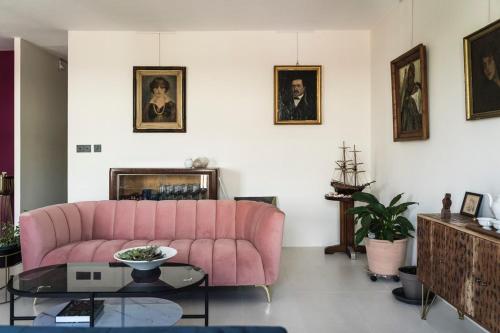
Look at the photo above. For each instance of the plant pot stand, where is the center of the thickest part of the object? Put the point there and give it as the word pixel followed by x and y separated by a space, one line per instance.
pixel 399 294
pixel 374 276
pixel 347 244
pixel 8 257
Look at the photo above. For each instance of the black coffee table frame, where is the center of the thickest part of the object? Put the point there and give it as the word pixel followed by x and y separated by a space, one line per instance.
pixel 93 295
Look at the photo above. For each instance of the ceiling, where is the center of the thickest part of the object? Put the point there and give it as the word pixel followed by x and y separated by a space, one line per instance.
pixel 46 22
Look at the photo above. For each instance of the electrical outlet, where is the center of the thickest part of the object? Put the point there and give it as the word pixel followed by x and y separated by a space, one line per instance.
pixel 97 148
pixel 83 148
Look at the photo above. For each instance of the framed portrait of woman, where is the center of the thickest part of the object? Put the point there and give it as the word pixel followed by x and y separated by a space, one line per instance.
pixel 159 99
pixel 482 72
pixel 410 111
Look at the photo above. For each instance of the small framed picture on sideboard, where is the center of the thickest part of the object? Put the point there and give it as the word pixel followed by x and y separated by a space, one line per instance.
pixel 471 204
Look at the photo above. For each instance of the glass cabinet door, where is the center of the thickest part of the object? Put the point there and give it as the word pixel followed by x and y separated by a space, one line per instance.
pixel 163 184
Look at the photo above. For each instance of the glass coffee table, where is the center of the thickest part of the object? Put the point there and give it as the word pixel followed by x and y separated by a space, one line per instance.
pixel 106 280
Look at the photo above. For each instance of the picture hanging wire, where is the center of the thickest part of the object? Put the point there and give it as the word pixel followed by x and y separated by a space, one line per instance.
pixel 297 44
pixel 411 24
pixel 159 48
pixel 489 11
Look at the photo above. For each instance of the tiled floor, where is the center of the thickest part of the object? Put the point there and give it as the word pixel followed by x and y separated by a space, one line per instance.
pixel 315 293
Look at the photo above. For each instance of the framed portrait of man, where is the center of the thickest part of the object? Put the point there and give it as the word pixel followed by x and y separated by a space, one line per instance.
pixel 159 99
pixel 297 95
pixel 410 111
pixel 482 72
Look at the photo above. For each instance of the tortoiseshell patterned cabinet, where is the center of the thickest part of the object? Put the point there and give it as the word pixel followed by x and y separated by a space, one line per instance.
pixel 462 266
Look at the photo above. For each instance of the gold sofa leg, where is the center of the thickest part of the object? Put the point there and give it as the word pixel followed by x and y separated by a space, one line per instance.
pixel 267 289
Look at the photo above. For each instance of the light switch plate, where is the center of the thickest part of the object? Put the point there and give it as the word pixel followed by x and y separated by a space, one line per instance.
pixel 83 148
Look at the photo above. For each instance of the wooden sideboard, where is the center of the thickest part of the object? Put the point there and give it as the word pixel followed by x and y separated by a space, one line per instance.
pixel 461 266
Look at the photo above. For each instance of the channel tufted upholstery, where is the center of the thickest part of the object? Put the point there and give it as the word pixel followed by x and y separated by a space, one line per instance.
pixel 235 242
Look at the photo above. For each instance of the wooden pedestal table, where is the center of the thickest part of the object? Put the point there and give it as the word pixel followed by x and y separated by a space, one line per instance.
pixel 347 244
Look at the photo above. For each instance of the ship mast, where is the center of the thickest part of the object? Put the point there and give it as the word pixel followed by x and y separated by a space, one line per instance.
pixel 343 163
pixel 354 167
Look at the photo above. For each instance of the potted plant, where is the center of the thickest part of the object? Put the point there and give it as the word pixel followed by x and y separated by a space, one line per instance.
pixel 384 230
pixel 9 244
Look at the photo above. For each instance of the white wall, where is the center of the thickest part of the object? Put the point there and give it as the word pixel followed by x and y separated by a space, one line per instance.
pixel 40 129
pixel 460 155
pixel 229 115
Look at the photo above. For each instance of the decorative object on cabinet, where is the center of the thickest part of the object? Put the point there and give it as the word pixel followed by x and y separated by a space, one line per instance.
pixel 269 200
pixel 188 163
pixel 410 112
pixel 162 184
pixel 445 211
pixel 485 222
pixel 461 266
pixel 6 198
pixel 346 180
pixel 200 163
pixel 385 232
pixel 159 99
pixel 471 204
pixel 297 95
pixel 6 184
pixel 482 72
pixel 494 204
pixel 487 231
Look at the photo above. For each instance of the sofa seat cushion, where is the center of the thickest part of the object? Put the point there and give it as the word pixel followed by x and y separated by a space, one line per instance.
pixel 227 261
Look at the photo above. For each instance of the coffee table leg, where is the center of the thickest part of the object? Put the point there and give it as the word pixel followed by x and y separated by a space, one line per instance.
pixel 92 311
pixel 206 299
pixel 11 315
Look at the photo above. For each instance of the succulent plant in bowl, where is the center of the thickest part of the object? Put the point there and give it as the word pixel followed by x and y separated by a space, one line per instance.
pixel 145 258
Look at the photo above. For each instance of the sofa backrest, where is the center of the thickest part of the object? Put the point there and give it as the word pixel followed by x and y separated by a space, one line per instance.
pixel 169 219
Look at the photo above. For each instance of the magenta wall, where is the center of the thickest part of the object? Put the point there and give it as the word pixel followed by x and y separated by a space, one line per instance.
pixel 7 111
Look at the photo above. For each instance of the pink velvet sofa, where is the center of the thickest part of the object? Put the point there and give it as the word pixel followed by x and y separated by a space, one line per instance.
pixel 236 242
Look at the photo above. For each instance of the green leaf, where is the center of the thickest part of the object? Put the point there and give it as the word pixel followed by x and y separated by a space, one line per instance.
pixel 396 199
pixel 360 235
pixel 365 197
pixel 358 210
pixel 388 235
pixel 380 210
pixel 399 209
pixel 366 221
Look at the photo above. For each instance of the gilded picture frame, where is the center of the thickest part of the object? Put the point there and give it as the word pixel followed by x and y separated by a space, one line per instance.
pixel 410 110
pixel 482 72
pixel 159 95
pixel 297 95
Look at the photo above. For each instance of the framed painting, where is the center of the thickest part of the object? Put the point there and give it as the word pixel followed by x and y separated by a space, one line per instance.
pixel 159 99
pixel 471 204
pixel 482 72
pixel 410 112
pixel 297 95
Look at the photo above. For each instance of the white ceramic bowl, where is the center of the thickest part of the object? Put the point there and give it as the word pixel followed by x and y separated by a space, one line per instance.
pixel 167 252
pixel 485 222
pixel 496 224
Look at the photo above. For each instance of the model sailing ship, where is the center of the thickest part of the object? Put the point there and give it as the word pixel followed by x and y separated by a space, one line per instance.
pixel 346 179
